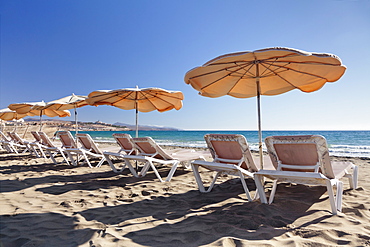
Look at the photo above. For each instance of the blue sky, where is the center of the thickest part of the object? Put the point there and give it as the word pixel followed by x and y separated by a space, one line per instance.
pixel 50 49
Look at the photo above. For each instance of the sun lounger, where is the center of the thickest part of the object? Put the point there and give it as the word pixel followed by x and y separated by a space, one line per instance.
pixel 88 149
pixel 231 156
pixel 150 154
pixel 7 143
pixel 127 147
pixel 51 149
pixel 66 139
pixel 37 145
pixel 20 143
pixel 305 160
pixel 125 142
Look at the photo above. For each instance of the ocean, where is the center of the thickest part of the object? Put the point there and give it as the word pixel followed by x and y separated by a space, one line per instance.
pixel 341 143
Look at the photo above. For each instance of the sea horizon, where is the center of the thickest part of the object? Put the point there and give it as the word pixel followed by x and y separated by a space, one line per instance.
pixel 342 143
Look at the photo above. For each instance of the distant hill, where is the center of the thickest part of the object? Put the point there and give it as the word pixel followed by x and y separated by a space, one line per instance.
pixel 147 127
pixel 96 124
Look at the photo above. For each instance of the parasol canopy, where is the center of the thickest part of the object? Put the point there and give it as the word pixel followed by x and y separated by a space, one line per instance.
pixel 7 115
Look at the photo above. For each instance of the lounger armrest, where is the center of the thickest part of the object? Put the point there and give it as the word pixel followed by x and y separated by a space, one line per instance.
pixel 222 167
pixel 313 178
pixel 118 154
pixel 72 149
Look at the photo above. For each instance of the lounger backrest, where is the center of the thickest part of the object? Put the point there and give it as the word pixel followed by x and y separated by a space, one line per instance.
pixel 232 149
pixel 303 152
pixel 45 139
pixel 148 147
pixel 88 143
pixel 16 138
pixel 4 137
pixel 36 136
pixel 125 142
pixel 67 140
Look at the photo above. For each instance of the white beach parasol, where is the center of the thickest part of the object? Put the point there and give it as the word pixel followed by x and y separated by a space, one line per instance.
pixel 143 100
pixel 36 109
pixel 270 71
pixel 69 102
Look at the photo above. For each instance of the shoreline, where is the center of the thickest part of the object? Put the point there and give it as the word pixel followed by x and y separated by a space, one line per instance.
pixel 335 149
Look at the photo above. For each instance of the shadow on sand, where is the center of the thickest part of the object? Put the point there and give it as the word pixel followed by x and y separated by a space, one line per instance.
pixel 194 218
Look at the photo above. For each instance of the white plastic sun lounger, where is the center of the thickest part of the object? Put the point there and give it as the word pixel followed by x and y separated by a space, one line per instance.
pixel 37 145
pixel 127 147
pixel 150 154
pixel 7 143
pixel 51 148
pixel 88 149
pixel 231 156
pixel 20 143
pixel 305 160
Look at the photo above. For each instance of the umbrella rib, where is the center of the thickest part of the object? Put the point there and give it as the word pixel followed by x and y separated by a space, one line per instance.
pixel 301 72
pixel 108 95
pixel 138 96
pixel 241 77
pixel 216 71
pixel 154 95
pixel 231 72
pixel 277 74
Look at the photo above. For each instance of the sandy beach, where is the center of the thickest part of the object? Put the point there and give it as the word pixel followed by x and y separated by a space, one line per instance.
pixel 44 204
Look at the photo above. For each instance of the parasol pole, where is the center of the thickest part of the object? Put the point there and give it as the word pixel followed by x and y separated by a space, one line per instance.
pixel 15 126
pixel 24 134
pixel 56 132
pixel 40 120
pixel 137 112
pixel 76 119
pixel 137 126
pixel 259 116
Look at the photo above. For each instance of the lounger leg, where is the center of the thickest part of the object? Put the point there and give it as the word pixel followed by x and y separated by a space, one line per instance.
pixel 51 156
pixel 33 150
pixel 333 202
pixel 30 149
pixel 101 161
pixel 42 153
pixel 172 171
pixel 260 188
pixel 242 179
pixel 131 168
pixel 145 169
pixel 155 171
pixel 273 191
pixel 353 178
pixel 87 160
pixel 339 196
pixel 110 163
pixel 64 157
pixel 71 158
pixel 15 150
pixel 8 148
pixel 198 179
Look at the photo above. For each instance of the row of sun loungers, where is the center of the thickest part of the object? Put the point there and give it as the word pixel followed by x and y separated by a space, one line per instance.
pixel 293 159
